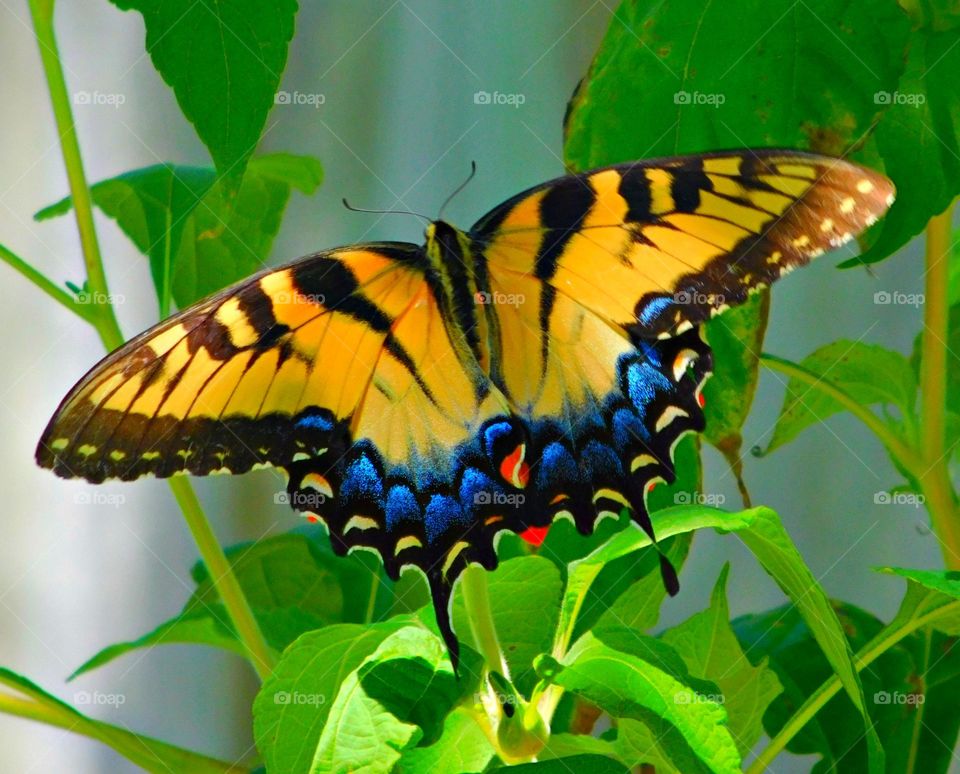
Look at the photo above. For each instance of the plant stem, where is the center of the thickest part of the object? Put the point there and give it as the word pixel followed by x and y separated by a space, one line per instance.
pixel 477 600
pixel 885 639
pixel 45 284
pixel 147 753
pixel 906 456
pixel 42 13
pixel 225 581
pixel 934 477
pixel 105 320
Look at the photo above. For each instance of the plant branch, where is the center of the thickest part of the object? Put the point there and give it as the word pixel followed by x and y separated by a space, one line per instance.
pixel 105 321
pixel 224 579
pixel 934 478
pixel 473 586
pixel 885 639
pixel 46 284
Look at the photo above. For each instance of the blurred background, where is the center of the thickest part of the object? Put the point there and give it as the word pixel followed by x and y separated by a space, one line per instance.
pixel 398 126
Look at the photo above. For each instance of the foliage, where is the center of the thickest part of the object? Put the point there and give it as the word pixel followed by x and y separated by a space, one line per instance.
pixel 361 679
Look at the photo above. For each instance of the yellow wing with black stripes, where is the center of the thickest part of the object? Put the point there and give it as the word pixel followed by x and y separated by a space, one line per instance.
pixel 424 398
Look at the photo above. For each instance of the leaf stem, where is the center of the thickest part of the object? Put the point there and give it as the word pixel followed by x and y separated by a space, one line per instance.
pixel 104 319
pixel 934 478
pixel 473 586
pixel 46 284
pixel 885 639
pixel 906 456
pixel 223 577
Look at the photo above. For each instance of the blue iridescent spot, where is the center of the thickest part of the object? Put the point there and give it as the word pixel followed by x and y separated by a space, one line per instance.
pixel 315 421
pixel 627 428
pixel 401 506
pixel 443 512
pixel 477 488
pixel 654 309
pixel 643 384
pixel 601 461
pixel 558 469
pixel 494 432
pixel 362 480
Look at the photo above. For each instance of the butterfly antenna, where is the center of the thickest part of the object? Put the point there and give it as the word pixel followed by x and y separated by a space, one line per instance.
pixel 385 212
pixel 451 197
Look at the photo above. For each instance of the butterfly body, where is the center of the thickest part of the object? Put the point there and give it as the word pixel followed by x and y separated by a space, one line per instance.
pixel 424 398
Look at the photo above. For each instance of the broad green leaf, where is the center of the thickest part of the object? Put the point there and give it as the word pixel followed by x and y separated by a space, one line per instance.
pixel 771 545
pixel 398 696
pixel 223 61
pixel 198 235
pixel 871 375
pixel 654 742
pixel 292 585
pixel 918 137
pixel 711 651
pixel 152 207
pixel 714 75
pixel 525 603
pixel 932 595
pixel 736 338
pixel 463 747
pixel 230 236
pixel 292 707
pixel 627 686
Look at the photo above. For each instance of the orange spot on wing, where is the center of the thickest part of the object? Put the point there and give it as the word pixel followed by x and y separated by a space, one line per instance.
pixel 514 469
pixel 535 535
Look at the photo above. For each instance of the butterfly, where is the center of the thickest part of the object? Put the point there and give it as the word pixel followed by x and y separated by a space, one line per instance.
pixel 425 398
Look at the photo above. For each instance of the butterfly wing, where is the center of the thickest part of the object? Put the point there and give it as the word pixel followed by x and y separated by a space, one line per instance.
pixel 598 283
pixel 657 246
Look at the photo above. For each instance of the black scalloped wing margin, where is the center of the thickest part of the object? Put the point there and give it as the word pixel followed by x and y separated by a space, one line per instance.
pixel 513 475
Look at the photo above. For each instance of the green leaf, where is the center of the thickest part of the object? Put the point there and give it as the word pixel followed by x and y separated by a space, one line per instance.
pixel 869 374
pixel 525 604
pixel 627 686
pixel 463 747
pixel 711 651
pixel 932 595
pixel 292 585
pixel 736 338
pixel 683 66
pixel 652 742
pixel 199 235
pixel 292 707
pixel 398 696
pixel 223 61
pixel 230 236
pixel 581 764
pixel 771 545
pixel 917 138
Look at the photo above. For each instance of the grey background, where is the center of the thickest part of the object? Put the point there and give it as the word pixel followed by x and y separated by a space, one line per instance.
pixel 398 127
